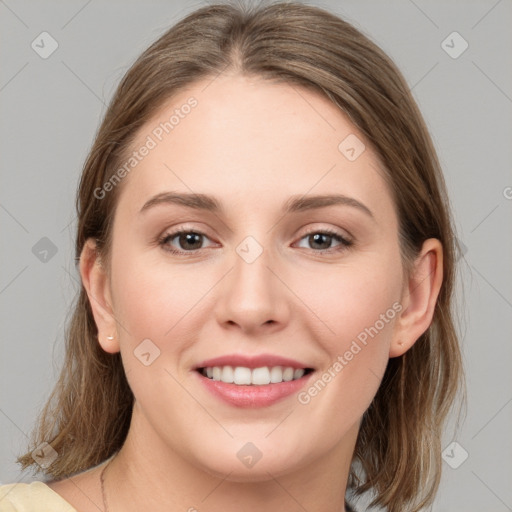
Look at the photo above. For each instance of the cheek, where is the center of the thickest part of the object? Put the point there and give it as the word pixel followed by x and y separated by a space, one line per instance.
pixel 357 307
pixel 150 299
pixel 354 302
pixel 357 356
pixel 151 305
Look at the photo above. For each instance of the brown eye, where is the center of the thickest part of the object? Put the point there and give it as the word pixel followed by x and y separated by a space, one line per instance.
pixel 187 241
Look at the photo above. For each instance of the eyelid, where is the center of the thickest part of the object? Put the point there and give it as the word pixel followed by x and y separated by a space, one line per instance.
pixel 343 233
pixel 174 232
pixel 336 233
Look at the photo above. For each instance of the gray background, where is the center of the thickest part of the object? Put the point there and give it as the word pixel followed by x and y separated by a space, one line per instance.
pixel 51 108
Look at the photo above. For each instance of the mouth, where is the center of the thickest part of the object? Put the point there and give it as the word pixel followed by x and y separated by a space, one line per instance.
pixel 257 381
pixel 245 376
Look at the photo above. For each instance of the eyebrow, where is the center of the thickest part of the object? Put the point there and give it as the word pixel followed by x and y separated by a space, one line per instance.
pixel 292 205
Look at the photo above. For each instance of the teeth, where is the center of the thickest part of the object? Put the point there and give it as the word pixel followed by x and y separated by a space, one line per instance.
pixel 297 374
pixel 288 374
pixel 242 375
pixel 227 374
pixel 261 376
pixel 257 376
pixel 276 374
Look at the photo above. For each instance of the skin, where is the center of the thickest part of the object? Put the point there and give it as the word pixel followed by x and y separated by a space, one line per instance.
pixel 252 144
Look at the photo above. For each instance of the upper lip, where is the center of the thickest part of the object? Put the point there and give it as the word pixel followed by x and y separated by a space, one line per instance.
pixel 256 361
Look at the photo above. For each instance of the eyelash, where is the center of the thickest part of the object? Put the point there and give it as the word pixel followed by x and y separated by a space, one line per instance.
pixel 345 244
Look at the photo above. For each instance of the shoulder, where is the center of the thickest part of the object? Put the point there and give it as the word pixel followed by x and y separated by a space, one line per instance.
pixel 23 497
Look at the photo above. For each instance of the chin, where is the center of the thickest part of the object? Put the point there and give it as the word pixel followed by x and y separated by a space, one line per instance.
pixel 247 461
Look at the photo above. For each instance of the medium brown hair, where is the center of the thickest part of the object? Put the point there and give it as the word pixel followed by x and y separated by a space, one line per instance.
pixel 398 450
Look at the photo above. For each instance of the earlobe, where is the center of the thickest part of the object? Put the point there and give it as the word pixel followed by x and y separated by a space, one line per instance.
pixel 96 283
pixel 419 297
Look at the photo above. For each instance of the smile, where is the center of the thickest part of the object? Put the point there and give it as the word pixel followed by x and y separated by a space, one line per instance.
pixel 256 380
pixel 243 376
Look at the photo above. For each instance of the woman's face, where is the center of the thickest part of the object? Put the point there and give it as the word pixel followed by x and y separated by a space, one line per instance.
pixel 268 274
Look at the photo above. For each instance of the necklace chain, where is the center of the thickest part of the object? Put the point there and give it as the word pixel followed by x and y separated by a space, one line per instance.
pixel 102 480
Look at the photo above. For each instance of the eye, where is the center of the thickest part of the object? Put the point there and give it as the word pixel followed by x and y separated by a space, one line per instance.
pixel 190 241
pixel 320 240
pixel 187 239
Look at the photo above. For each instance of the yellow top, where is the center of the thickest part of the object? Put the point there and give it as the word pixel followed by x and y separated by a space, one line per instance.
pixel 33 497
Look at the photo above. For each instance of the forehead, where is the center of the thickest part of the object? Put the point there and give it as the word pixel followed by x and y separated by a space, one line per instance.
pixel 254 143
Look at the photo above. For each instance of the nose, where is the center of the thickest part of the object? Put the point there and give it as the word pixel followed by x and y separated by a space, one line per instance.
pixel 253 297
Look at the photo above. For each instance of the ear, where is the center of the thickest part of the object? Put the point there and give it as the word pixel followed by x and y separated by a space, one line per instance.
pixel 419 297
pixel 97 285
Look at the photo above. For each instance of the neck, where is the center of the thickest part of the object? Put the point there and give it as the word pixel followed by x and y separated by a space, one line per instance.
pixel 147 475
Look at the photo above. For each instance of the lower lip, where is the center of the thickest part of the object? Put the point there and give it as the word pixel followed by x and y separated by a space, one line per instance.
pixel 253 396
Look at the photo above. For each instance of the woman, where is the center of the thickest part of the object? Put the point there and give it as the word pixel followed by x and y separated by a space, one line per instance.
pixel 267 259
